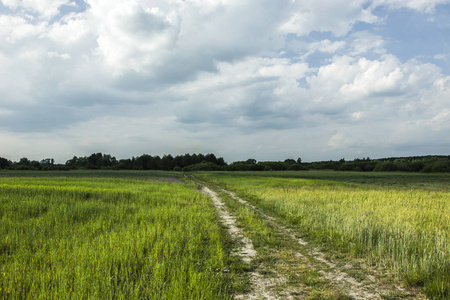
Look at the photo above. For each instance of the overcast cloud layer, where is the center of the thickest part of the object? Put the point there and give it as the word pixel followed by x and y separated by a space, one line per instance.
pixel 316 79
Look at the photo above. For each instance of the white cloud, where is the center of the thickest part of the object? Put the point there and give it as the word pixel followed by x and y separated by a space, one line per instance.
pixel 325 15
pixel 375 78
pixel 427 6
pixel 4 112
pixel 252 93
pixel 135 37
pixel 63 56
pixel 364 42
pixel 324 46
pixel 45 8
pixel 327 46
pixel 441 56
pixel 175 40
pixel 442 117
pixel 240 77
pixel 14 29
pixel 71 30
pixel 342 141
pixel 359 78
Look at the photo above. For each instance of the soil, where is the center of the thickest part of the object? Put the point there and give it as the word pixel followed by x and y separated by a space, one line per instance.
pixel 277 286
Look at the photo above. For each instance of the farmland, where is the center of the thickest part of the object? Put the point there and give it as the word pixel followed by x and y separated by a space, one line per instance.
pixel 108 238
pixel 400 224
pixel 155 235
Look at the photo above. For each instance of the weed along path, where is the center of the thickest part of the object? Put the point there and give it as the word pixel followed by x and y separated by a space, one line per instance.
pixel 244 248
pixel 246 251
pixel 284 266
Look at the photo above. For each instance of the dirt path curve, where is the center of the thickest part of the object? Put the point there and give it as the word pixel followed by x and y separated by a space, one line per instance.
pixel 246 252
pixel 340 279
pixel 264 287
pixel 351 286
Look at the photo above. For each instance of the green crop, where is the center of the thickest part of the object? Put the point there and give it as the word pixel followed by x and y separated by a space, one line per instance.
pixel 98 238
pixel 405 230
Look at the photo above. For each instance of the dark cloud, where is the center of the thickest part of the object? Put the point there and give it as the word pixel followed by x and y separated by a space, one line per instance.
pixel 236 78
pixel 41 118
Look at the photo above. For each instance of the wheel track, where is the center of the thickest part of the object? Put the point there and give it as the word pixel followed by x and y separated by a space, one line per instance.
pixel 342 280
pixel 261 284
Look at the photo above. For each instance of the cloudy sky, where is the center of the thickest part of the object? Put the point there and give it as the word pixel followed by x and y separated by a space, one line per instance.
pixel 266 79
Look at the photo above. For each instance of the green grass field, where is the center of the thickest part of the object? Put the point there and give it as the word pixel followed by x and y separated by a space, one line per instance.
pixel 401 221
pixel 108 238
pixel 133 235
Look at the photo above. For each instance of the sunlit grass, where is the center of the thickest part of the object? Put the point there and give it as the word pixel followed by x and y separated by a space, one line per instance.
pixel 73 238
pixel 406 230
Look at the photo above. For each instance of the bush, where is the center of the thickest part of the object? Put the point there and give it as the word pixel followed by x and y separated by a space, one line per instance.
pixel 441 166
pixel 350 166
pixel 295 167
pixel 385 167
pixel 204 166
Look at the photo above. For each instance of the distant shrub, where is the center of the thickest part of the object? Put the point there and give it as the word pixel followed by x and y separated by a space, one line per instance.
pixel 349 166
pixel 416 166
pixel 295 167
pixel 204 166
pixel 441 166
pixel 385 167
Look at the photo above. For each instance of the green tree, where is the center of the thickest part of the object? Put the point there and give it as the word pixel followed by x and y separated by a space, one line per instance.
pixel 4 163
pixel 48 162
pixel 24 162
pixel 211 158
pixel 385 167
pixel 289 161
pixel 166 162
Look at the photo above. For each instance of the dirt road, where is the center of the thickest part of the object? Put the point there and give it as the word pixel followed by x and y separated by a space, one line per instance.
pixel 288 267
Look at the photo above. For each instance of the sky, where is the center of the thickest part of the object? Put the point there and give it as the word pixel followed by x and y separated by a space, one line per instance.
pixel 262 79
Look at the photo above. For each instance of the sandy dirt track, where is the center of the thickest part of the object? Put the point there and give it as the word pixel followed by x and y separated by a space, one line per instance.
pixel 265 287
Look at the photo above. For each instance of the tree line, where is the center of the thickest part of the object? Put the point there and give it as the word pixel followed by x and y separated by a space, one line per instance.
pixel 100 161
pixel 209 162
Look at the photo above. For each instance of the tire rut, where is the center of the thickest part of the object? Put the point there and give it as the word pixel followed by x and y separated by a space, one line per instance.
pixel 246 251
pixel 263 286
pixel 260 284
pixel 348 284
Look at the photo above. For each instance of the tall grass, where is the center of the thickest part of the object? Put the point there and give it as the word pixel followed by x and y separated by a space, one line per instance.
pixel 406 230
pixel 63 238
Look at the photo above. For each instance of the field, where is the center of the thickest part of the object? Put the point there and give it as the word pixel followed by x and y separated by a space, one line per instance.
pixel 398 221
pixel 108 238
pixel 155 235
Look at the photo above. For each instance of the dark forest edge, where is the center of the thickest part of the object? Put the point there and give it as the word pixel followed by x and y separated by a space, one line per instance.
pixel 209 162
